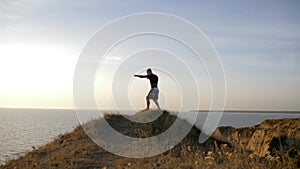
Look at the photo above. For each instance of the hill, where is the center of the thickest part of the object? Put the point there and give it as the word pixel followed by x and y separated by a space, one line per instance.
pixel 272 144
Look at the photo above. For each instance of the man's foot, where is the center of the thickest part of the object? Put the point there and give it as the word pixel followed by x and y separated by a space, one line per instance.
pixel 144 110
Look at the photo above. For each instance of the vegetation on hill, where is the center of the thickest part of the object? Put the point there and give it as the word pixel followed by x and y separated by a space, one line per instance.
pixel 227 148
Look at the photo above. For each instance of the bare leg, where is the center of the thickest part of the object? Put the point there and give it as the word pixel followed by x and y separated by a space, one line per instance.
pixel 156 102
pixel 148 103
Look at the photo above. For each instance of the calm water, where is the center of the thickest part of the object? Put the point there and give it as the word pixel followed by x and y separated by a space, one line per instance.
pixel 20 129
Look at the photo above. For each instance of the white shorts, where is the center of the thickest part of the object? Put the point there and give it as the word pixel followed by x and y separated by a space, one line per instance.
pixel 153 94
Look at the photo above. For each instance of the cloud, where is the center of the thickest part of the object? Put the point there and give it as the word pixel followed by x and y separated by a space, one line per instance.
pixel 12 12
pixel 16 8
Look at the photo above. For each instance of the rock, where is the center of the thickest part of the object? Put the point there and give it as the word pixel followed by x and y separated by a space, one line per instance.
pixel 270 136
pixel 276 135
pixel 238 137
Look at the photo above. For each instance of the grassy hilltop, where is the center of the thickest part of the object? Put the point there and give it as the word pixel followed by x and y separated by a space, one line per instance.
pixel 272 144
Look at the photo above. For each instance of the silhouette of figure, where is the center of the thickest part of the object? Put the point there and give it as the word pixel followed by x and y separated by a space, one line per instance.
pixel 153 93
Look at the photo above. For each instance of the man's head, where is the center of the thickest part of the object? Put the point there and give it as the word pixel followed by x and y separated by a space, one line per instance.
pixel 149 71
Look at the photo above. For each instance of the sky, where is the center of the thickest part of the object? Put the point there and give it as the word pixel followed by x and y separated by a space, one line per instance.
pixel 258 43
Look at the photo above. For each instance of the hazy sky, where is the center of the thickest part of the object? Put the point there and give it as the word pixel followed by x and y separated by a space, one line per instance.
pixel 258 42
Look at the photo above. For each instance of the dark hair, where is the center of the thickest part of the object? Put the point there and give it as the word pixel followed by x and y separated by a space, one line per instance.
pixel 149 70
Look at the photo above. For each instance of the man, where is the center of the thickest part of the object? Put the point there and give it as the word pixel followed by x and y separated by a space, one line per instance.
pixel 153 93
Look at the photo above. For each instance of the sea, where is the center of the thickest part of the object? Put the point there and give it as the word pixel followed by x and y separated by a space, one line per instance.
pixel 22 130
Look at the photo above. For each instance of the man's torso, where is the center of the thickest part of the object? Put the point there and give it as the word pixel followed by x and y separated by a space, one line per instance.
pixel 153 80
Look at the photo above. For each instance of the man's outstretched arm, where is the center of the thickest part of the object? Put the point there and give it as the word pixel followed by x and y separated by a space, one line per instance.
pixel 140 76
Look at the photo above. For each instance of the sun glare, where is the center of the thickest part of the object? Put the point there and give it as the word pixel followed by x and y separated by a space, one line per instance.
pixel 31 71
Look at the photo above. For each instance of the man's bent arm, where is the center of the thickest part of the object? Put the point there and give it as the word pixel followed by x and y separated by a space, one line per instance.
pixel 140 76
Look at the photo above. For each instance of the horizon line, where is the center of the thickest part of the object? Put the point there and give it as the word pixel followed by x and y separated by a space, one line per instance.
pixel 203 110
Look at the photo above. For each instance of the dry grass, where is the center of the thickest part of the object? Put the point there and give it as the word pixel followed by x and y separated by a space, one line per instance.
pixel 76 150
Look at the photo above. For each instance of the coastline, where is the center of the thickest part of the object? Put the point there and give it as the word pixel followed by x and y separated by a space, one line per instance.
pixel 75 149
